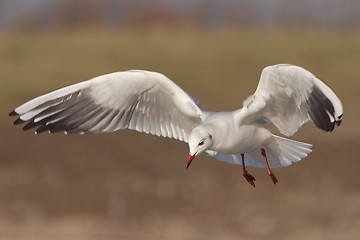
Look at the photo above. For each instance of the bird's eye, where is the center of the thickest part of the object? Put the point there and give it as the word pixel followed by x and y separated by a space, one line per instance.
pixel 201 143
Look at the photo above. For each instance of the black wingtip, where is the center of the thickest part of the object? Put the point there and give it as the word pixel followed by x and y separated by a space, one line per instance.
pixel 13 113
pixel 338 122
pixel 18 121
pixel 322 111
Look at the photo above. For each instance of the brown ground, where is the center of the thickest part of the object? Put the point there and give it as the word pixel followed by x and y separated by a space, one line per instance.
pixel 128 185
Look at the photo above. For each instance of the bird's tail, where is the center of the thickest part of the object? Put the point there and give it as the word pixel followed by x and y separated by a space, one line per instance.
pixel 280 152
pixel 283 152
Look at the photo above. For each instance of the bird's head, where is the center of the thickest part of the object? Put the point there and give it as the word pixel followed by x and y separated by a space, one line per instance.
pixel 200 140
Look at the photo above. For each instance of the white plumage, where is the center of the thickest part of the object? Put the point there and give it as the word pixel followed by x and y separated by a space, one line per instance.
pixel 287 96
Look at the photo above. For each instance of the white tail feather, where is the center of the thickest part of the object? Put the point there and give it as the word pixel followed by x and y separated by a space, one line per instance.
pixel 286 151
pixel 281 152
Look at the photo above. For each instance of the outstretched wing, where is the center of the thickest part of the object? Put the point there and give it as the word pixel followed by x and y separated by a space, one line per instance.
pixel 144 101
pixel 288 96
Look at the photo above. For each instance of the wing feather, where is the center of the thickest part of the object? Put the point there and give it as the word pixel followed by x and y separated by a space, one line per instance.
pixel 144 101
pixel 289 96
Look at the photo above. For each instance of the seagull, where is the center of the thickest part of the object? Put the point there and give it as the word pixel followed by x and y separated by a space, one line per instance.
pixel 287 96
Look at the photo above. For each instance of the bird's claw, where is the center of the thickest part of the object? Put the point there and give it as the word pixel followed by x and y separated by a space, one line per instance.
pixel 250 178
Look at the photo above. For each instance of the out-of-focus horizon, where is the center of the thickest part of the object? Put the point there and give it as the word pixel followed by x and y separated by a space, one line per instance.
pixel 49 15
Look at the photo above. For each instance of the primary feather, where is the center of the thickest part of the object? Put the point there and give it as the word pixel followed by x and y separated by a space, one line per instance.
pixel 141 100
pixel 289 96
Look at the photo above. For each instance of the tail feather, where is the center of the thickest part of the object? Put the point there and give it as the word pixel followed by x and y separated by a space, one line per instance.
pixel 287 151
pixel 281 152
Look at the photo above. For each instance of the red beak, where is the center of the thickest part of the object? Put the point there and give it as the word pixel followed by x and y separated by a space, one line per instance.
pixel 191 157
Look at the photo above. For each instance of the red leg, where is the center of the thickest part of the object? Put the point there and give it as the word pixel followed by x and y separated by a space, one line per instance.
pixel 271 174
pixel 247 175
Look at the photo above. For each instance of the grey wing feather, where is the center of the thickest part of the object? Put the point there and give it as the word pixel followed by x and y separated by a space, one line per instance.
pixel 288 96
pixel 144 101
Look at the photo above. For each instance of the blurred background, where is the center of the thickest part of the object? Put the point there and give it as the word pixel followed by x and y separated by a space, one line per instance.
pixel 128 185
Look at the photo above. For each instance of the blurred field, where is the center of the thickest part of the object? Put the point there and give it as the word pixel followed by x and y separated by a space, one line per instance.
pixel 127 185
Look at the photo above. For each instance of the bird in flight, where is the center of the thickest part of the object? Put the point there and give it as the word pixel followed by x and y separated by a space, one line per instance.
pixel 287 96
